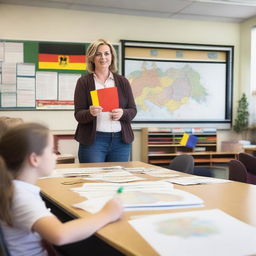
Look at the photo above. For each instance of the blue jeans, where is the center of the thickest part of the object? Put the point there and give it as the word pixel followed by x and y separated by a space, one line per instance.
pixel 107 147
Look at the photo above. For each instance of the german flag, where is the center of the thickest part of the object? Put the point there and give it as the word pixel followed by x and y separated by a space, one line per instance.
pixel 61 56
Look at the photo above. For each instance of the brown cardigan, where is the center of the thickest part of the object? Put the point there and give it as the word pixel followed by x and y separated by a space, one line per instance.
pixel 86 128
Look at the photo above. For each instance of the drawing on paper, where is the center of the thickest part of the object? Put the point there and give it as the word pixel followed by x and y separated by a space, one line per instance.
pixel 187 227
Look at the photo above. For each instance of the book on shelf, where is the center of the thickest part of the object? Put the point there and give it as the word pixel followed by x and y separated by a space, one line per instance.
pixel 200 149
pixel 181 130
pixel 157 129
pixel 209 130
pixel 203 130
pixel 197 130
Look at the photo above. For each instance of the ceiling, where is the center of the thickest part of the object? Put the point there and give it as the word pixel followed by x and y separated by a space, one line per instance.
pixel 214 10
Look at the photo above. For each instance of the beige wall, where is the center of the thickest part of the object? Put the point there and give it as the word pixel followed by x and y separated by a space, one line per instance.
pixel 33 23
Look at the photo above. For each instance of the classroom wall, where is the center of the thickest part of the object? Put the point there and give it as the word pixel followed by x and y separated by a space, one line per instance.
pixel 245 65
pixel 36 23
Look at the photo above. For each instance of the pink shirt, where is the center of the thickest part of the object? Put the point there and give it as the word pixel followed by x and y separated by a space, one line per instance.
pixel 104 121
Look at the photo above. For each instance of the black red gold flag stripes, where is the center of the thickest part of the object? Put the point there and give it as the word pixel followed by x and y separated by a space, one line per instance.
pixel 61 56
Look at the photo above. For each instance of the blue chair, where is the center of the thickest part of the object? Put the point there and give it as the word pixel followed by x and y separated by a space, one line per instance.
pixel 3 247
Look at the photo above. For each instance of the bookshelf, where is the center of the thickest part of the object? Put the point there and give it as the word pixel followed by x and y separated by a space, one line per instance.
pixel 160 146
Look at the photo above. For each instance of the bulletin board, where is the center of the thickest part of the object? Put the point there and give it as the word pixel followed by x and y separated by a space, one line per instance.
pixel 180 83
pixel 41 75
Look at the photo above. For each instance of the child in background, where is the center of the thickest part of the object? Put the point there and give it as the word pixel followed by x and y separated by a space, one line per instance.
pixel 26 153
pixel 8 122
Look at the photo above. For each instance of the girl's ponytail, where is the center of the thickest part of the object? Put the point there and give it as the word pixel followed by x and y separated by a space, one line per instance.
pixel 6 193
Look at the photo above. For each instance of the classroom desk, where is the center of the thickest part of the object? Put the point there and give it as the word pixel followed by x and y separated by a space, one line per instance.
pixel 234 198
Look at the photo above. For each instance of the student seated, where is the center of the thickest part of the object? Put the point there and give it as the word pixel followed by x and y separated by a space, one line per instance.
pixel 26 153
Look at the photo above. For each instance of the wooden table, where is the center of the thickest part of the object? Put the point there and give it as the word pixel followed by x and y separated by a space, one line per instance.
pixel 234 198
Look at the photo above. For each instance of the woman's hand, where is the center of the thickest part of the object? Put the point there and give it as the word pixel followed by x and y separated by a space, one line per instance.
pixel 116 114
pixel 95 110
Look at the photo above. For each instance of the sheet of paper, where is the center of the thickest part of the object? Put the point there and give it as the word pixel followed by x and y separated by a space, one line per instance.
pixel 162 173
pixel 26 69
pixel 144 186
pixel 8 88
pixel 26 83
pixel 114 176
pixel 46 85
pixel 197 233
pixel 116 179
pixel 8 73
pixel 67 84
pixel 13 52
pixel 25 98
pixel 26 92
pixel 138 200
pixel 8 100
pixel 135 169
pixel 79 172
pixel 193 180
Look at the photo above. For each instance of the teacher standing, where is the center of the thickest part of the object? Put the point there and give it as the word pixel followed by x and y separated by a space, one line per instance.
pixel 103 136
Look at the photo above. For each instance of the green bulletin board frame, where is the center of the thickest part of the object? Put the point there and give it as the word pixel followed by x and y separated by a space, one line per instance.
pixel 30 55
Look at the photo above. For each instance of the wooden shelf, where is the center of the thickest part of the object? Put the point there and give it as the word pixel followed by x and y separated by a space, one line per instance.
pixel 161 147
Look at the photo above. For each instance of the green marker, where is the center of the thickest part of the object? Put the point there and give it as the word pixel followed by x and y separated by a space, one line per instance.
pixel 120 190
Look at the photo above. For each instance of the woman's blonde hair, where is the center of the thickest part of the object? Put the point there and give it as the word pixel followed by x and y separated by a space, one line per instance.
pixel 91 52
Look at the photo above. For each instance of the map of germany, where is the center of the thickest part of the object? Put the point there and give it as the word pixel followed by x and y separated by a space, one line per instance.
pixel 171 88
pixel 164 90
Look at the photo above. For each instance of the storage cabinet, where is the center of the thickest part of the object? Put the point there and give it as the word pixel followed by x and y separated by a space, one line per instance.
pixel 160 146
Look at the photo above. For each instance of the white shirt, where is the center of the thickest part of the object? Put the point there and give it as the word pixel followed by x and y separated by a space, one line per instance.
pixel 104 122
pixel 27 208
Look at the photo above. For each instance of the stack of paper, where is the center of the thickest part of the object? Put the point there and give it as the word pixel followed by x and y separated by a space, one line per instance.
pixel 136 196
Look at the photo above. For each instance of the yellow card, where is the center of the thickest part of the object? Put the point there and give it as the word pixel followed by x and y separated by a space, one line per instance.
pixel 95 98
pixel 184 139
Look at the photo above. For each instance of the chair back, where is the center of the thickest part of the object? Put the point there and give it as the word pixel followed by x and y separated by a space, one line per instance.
pixel 182 163
pixel 249 161
pixel 237 171
pixel 251 178
pixel 3 247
